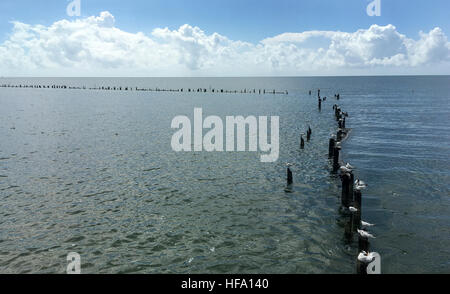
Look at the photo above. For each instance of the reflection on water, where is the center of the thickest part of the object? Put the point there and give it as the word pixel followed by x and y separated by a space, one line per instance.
pixel 93 172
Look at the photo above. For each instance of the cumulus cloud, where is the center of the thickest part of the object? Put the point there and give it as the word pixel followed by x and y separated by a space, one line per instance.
pixel 95 46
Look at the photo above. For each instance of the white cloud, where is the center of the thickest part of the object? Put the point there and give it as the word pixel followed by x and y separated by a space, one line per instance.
pixel 94 46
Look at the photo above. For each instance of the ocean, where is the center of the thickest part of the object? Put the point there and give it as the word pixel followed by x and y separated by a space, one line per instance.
pixel 93 172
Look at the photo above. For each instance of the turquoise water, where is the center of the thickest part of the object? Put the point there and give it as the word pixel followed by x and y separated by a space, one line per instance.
pixel 93 172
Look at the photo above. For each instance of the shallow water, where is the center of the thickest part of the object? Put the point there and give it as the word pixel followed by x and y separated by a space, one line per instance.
pixel 93 172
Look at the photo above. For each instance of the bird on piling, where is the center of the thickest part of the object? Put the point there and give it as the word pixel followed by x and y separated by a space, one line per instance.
pixel 366 257
pixel 349 166
pixel 359 182
pixel 365 234
pixel 353 209
pixel 360 185
pixel 366 224
pixel 346 168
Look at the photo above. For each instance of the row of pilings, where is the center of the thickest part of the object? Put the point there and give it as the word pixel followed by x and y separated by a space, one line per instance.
pixel 156 89
pixel 351 196
pixel 351 190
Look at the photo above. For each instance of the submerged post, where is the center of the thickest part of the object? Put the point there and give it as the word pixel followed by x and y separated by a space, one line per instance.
pixel 336 158
pixel 340 135
pixel 331 148
pixel 289 176
pixel 363 243
pixel 345 195
pixel 348 232
pixel 361 264
pixel 358 199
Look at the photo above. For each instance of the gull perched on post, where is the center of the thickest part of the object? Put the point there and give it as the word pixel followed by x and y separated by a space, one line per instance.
pixel 346 168
pixel 366 257
pixel 365 234
pixel 366 224
pixel 360 185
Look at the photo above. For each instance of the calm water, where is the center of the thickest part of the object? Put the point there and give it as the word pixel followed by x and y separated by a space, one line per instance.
pixel 93 172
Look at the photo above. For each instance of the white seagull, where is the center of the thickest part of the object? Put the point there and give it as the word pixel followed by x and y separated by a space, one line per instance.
pixel 353 209
pixel 365 224
pixel 365 234
pixel 346 168
pixel 349 166
pixel 360 185
pixel 366 257
pixel 359 188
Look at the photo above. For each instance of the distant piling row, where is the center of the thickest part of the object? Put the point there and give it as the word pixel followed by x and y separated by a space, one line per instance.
pixel 302 146
pixel 157 89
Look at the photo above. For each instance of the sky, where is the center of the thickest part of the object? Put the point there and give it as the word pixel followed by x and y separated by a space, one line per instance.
pixel 223 38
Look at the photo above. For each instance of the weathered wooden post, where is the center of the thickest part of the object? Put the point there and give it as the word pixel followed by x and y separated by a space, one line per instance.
pixel 345 195
pixel 336 150
pixel 289 176
pixel 331 148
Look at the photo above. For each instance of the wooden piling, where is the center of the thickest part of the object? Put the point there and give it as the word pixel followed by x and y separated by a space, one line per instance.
pixel 331 147
pixel 336 166
pixel 289 176
pixel 345 194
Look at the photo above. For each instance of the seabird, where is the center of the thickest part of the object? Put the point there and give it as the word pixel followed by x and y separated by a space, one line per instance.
pixel 366 257
pixel 365 234
pixel 349 166
pixel 360 185
pixel 359 188
pixel 365 224
pixel 353 209
pixel 345 169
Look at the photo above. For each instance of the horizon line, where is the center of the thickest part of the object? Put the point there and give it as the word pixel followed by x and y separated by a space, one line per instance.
pixel 203 77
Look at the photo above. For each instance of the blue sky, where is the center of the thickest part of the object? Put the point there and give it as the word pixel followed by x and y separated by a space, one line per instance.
pixel 224 37
pixel 248 20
